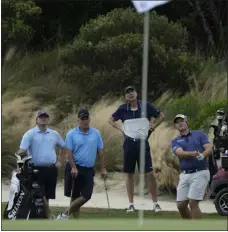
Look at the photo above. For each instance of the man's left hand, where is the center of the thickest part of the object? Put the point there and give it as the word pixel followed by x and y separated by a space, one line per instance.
pixel 58 165
pixel 104 173
pixel 200 157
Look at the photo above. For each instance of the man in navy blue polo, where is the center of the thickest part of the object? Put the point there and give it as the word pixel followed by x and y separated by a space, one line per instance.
pixel 193 149
pixel 84 143
pixel 134 127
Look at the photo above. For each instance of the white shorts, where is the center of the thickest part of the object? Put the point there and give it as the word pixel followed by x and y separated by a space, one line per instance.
pixel 193 186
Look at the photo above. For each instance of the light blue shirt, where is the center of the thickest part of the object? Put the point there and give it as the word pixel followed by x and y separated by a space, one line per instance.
pixel 41 145
pixel 84 146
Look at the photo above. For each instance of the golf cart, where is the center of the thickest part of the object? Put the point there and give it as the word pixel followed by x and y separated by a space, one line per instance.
pixel 219 187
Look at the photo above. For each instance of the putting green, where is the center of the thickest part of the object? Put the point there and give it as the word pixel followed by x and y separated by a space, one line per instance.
pixel 116 224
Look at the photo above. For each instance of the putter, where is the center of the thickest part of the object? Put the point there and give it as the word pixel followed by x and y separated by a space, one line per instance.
pixel 106 190
pixel 72 188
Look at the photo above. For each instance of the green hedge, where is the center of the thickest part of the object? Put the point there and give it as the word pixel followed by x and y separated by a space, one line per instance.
pixel 200 112
pixel 108 52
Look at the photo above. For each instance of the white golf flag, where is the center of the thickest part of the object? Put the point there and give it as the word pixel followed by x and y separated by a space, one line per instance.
pixel 143 6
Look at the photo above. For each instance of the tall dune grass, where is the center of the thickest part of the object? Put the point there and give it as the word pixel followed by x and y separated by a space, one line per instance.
pixel 16 118
pixel 19 115
pixel 208 94
pixel 31 81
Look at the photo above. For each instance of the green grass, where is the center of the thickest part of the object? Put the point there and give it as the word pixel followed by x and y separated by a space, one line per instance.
pixel 117 224
pixel 116 219
pixel 121 213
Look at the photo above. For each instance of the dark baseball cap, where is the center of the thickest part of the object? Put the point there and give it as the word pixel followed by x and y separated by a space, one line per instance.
pixel 42 112
pixel 129 88
pixel 83 113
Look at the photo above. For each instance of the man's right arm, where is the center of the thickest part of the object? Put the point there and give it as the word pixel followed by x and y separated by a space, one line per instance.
pixel 70 158
pixel 112 122
pixel 25 143
pixel 115 117
pixel 70 147
pixel 178 151
pixel 74 170
pixel 185 154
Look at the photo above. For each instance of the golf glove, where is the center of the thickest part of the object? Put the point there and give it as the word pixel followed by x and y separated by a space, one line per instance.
pixel 200 157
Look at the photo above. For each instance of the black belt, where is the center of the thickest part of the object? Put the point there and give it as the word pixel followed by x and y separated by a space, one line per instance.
pixel 193 170
pixel 83 167
pixel 45 166
pixel 132 139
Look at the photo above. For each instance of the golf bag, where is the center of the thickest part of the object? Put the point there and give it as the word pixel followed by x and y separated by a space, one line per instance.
pixel 220 141
pixel 25 200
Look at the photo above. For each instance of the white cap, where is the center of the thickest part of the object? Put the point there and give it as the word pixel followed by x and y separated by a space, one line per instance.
pixel 180 116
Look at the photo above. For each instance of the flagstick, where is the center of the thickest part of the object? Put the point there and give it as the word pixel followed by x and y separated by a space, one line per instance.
pixel 144 110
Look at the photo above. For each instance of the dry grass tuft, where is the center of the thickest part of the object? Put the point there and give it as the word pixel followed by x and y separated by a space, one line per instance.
pixel 211 84
pixel 16 119
pixel 165 163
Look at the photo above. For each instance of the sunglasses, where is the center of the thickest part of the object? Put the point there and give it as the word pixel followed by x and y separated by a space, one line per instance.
pixel 130 91
pixel 43 116
pixel 84 118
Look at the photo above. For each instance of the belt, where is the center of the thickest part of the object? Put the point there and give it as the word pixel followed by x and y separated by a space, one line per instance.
pixel 133 139
pixel 193 170
pixel 83 167
pixel 45 166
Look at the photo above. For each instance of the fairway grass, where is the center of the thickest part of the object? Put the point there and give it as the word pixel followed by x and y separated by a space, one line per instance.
pixel 94 213
pixel 116 224
pixel 118 219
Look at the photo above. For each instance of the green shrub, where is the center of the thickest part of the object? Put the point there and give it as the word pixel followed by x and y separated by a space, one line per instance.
pixel 207 112
pixel 200 112
pixel 109 48
pixel 189 105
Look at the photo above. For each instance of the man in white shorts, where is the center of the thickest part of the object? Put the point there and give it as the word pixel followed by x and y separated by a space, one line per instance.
pixel 192 148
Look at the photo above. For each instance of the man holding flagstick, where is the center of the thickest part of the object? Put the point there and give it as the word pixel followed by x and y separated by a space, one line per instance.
pixel 144 7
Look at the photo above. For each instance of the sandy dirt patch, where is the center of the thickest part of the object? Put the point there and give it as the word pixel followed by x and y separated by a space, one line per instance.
pixel 117 197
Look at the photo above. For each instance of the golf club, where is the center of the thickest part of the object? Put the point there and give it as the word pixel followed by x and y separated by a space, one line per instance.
pixel 72 188
pixel 106 190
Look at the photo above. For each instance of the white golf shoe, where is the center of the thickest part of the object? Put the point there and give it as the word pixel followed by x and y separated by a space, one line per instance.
pixel 131 209
pixel 62 216
pixel 157 208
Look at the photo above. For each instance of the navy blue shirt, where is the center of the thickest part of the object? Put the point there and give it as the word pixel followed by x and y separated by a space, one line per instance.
pixel 193 141
pixel 124 112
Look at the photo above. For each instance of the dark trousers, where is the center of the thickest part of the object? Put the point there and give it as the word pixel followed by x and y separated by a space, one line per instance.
pixel 47 179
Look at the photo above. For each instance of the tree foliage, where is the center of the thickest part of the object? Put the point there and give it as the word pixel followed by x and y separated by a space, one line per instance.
pixel 15 13
pixel 110 48
pixel 60 21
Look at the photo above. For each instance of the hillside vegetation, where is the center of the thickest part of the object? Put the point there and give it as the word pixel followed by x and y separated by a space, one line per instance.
pixel 92 71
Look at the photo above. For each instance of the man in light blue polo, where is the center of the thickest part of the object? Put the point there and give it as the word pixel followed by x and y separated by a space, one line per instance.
pixel 83 143
pixel 40 142
pixel 193 149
